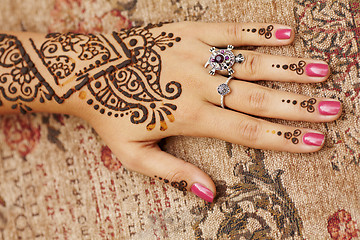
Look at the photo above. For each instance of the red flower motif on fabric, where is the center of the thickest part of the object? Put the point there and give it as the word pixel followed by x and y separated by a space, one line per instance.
pixel 76 16
pixel 341 226
pixel 2 202
pixel 20 134
pixel 110 162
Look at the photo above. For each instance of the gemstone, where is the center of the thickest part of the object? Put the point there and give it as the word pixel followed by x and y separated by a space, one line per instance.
pixel 227 58
pixel 223 89
pixel 219 58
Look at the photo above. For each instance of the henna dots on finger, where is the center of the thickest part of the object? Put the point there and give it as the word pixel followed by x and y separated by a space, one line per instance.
pixel 295 67
pixel 292 136
pixel 181 186
pixel 307 104
pixel 266 32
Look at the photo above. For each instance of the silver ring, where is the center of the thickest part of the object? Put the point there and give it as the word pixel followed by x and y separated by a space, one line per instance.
pixel 224 89
pixel 223 59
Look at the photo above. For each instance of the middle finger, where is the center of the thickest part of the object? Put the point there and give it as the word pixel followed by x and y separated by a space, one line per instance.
pixel 259 66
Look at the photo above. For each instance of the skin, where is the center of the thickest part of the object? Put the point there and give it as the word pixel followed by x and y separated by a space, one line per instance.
pixel 191 106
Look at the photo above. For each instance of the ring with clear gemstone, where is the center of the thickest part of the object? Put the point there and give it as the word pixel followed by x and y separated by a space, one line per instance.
pixel 224 89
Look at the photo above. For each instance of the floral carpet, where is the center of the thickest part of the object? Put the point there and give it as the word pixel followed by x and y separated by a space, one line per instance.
pixel 58 180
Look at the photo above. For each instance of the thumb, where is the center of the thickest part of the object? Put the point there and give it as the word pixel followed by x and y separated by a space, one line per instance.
pixel 151 161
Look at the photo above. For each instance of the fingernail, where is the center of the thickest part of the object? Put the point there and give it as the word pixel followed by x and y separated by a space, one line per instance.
pixel 202 192
pixel 283 34
pixel 329 107
pixel 314 139
pixel 317 70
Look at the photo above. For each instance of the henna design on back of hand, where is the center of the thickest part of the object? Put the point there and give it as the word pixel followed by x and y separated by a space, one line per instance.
pixel 122 73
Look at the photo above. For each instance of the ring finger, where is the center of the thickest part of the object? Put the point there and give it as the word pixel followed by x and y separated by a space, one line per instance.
pixel 256 133
pixel 261 101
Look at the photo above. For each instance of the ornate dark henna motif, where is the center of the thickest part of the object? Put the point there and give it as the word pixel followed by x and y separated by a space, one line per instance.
pixel 123 79
pixel 182 185
pixel 130 84
pixel 298 68
pixel 293 136
pixel 309 105
pixel 267 32
pixel 288 135
pixel 20 80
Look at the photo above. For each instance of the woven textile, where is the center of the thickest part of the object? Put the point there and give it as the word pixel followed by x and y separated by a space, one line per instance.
pixel 58 180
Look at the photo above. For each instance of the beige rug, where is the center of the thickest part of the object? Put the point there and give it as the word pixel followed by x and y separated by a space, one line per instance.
pixel 59 181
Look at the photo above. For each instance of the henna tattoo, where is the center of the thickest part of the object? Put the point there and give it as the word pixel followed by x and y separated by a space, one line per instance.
pixel 293 136
pixel 294 102
pixel 122 73
pixel 182 185
pixel 138 79
pixel 309 105
pixel 267 32
pixel 298 68
pixel 20 80
pixel 76 47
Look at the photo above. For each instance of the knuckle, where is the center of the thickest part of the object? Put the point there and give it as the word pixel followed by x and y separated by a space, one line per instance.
pixel 178 174
pixel 191 113
pixel 234 31
pixel 250 130
pixel 257 100
pixel 252 65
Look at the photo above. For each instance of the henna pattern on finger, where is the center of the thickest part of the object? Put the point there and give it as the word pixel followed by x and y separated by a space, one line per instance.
pixel 293 136
pixel 267 32
pixel 122 73
pixel 308 104
pixel 294 102
pixel 182 185
pixel 298 68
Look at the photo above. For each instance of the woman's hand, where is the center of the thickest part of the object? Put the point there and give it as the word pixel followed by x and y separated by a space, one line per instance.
pixel 173 94
pixel 140 85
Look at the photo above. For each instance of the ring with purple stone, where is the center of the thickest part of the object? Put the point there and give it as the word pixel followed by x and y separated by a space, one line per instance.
pixel 224 89
pixel 223 59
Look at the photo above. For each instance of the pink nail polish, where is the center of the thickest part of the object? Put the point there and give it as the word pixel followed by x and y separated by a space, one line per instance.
pixel 283 34
pixel 317 70
pixel 314 139
pixel 202 192
pixel 329 107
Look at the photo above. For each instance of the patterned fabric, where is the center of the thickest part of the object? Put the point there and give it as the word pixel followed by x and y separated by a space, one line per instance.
pixel 59 181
